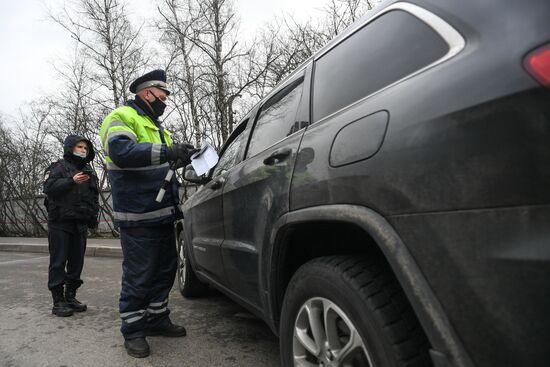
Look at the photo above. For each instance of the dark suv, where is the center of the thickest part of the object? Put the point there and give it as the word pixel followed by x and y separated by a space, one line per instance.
pixel 388 204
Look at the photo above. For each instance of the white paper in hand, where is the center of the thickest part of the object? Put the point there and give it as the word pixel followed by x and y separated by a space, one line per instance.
pixel 204 159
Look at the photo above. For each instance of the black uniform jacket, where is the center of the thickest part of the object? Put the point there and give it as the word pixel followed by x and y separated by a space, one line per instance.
pixel 68 202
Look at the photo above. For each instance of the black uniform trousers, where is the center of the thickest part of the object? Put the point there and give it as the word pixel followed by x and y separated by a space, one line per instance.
pixel 148 273
pixel 67 246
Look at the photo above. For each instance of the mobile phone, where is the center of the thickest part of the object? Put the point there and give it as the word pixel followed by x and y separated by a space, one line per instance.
pixel 87 171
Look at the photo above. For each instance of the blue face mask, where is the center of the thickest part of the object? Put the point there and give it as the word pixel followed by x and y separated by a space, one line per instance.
pixel 80 155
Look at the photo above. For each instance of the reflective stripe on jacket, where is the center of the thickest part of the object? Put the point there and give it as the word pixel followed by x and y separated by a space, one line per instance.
pixel 135 150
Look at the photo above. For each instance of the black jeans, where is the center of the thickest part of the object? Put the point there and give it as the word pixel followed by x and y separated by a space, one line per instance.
pixel 67 246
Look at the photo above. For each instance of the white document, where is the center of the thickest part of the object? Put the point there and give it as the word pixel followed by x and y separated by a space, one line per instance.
pixel 204 159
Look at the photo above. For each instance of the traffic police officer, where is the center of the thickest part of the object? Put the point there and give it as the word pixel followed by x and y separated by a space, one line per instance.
pixel 72 203
pixel 138 152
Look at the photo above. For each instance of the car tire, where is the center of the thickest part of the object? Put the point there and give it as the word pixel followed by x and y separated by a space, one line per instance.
pixel 188 283
pixel 332 303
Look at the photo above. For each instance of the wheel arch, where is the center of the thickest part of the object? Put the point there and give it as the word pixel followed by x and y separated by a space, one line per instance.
pixel 373 233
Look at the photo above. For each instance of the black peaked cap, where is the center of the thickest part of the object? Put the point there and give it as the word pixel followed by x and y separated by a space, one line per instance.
pixel 155 78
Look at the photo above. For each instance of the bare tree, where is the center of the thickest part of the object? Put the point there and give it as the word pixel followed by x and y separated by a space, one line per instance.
pixel 73 107
pixel 25 155
pixel 293 42
pixel 5 157
pixel 108 41
pixel 341 13
pixel 211 67
pixel 176 19
pixel 109 56
pixel 287 44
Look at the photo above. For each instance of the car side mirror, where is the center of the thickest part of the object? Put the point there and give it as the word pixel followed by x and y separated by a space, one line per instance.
pixel 191 176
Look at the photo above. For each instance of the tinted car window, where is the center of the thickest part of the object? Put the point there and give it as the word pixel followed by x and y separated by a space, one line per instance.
pixel 384 51
pixel 276 118
pixel 229 156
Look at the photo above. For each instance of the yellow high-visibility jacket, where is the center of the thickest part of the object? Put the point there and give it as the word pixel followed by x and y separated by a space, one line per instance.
pixel 135 150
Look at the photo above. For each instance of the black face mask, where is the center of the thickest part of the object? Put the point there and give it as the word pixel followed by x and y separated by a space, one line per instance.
pixel 157 105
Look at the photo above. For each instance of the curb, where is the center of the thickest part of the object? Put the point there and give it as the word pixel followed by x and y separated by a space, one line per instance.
pixel 100 251
pixel 96 251
pixel 23 248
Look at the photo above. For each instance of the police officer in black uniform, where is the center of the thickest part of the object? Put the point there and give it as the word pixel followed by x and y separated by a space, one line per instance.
pixel 72 203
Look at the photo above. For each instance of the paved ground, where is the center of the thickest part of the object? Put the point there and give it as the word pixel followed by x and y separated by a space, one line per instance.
pixel 220 333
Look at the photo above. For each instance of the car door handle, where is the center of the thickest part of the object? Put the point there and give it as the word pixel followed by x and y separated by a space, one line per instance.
pixel 277 156
pixel 217 183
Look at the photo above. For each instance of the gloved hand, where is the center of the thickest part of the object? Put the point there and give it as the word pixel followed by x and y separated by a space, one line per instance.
pixel 180 152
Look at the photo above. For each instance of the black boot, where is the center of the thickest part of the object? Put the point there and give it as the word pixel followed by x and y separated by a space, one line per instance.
pixel 138 347
pixel 76 305
pixel 60 307
pixel 170 330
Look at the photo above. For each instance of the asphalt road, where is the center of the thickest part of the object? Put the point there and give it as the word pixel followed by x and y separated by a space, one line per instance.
pixel 220 332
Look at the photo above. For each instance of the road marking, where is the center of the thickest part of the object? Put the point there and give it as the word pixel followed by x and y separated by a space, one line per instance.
pixel 24 260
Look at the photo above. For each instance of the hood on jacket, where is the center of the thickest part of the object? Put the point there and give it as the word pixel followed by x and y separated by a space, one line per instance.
pixel 70 142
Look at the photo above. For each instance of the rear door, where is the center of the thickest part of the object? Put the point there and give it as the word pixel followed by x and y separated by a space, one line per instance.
pixel 256 190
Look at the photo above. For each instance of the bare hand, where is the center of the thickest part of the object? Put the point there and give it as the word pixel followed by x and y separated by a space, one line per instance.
pixel 80 177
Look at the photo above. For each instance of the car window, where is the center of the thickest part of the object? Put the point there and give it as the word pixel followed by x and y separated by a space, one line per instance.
pixel 277 117
pixel 387 49
pixel 229 156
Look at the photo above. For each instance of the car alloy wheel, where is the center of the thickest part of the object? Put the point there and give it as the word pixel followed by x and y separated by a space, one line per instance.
pixel 182 262
pixel 325 336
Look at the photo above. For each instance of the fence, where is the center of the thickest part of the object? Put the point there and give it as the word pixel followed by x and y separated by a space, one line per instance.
pixel 28 217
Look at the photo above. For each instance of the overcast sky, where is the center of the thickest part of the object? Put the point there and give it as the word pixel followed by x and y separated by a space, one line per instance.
pixel 31 44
